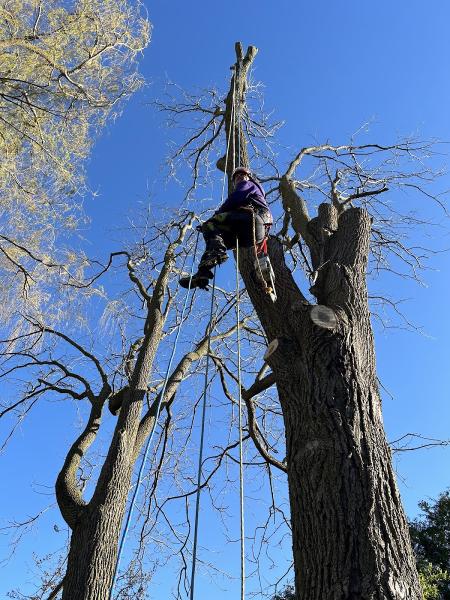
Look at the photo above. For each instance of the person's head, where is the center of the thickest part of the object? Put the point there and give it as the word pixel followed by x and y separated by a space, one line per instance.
pixel 240 174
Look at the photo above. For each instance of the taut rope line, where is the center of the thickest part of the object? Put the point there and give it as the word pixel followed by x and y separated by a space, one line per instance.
pixel 150 437
pixel 241 459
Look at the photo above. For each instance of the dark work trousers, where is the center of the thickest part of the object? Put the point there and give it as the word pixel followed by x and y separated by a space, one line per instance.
pixel 220 233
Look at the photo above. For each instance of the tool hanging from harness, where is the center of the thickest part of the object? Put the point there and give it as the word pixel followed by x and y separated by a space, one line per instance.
pixel 265 266
pixel 262 264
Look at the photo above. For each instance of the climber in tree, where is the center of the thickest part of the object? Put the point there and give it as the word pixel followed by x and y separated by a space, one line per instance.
pixel 244 215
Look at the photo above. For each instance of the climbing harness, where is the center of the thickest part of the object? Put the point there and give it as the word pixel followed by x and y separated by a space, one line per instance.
pixel 150 437
pixel 262 263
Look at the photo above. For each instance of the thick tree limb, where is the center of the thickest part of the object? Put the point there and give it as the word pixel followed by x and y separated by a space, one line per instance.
pixel 175 379
pixel 56 590
pixel 68 494
pixel 259 386
pixel 122 446
pixel 296 211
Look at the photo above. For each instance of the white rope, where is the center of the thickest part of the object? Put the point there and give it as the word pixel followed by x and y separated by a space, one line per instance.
pixel 228 141
pixel 241 459
pixel 202 437
pixel 233 121
pixel 200 460
pixel 239 126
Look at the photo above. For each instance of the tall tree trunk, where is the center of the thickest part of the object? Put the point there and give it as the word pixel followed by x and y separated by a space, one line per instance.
pixel 350 535
pixel 96 525
pixel 93 553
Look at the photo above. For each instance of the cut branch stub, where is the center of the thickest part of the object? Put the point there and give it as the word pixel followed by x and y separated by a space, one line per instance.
pixel 272 347
pixel 323 316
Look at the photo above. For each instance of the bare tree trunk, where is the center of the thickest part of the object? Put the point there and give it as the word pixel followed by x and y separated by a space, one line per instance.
pixel 350 535
pixel 96 525
pixel 95 531
pixel 93 553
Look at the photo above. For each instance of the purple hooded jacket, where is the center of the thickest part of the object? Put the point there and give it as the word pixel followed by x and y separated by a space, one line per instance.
pixel 246 193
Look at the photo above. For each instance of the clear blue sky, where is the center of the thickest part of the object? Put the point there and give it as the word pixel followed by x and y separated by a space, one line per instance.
pixel 327 67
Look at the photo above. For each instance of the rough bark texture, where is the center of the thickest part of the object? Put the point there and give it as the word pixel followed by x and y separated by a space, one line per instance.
pixel 350 535
pixel 93 546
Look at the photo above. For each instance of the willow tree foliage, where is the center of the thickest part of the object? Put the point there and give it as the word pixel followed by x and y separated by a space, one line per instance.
pixel 65 67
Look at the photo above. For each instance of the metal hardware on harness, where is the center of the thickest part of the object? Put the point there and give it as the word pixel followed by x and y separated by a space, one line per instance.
pixel 264 266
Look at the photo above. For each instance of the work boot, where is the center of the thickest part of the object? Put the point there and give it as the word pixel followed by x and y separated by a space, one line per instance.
pixel 200 280
pixel 215 252
pixel 214 257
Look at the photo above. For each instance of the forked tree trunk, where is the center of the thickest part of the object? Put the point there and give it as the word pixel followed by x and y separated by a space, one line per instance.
pixel 350 535
pixel 95 530
pixel 96 525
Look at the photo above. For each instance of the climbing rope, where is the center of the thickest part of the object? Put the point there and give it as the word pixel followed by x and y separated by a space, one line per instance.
pixel 233 122
pixel 237 112
pixel 228 142
pixel 162 393
pixel 232 135
pixel 239 125
pixel 150 437
pixel 241 460
pixel 202 437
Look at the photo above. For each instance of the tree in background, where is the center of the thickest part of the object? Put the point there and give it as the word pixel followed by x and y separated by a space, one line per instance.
pixel 65 67
pixel 430 535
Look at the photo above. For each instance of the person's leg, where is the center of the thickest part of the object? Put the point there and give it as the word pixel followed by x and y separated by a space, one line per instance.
pixel 215 254
pixel 220 233
pixel 216 250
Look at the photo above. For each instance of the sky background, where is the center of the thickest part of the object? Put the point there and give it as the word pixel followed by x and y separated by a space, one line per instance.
pixel 327 67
